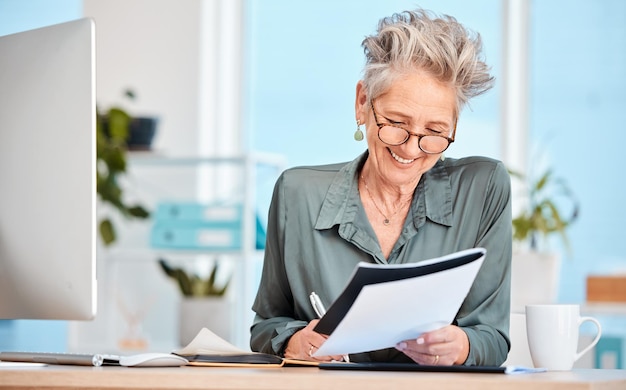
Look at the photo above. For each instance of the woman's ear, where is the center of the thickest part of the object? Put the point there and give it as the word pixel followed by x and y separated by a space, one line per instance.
pixel 360 104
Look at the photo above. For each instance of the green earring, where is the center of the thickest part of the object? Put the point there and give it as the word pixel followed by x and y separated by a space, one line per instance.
pixel 358 134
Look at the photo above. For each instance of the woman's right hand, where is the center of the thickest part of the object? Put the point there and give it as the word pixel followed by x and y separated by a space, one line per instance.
pixel 305 342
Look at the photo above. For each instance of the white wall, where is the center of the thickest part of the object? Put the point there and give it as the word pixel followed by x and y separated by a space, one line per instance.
pixel 151 46
pixel 183 59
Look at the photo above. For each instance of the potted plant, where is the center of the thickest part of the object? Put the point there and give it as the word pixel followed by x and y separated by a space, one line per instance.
pixel 203 303
pixel 112 134
pixel 192 285
pixel 533 260
pixel 543 218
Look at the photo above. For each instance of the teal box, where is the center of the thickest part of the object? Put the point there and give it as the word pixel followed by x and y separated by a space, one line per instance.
pixel 609 352
pixel 192 225
pixel 198 213
pixel 195 236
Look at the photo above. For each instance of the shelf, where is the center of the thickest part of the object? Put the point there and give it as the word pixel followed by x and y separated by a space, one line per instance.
pixel 127 271
pixel 162 159
pixel 602 308
pixel 591 308
pixel 150 254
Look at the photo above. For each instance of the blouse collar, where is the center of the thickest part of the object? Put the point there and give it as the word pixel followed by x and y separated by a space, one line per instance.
pixel 432 198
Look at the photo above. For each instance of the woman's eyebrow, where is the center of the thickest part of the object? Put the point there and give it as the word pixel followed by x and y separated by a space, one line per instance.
pixel 396 116
pixel 393 114
pixel 445 124
pixel 404 118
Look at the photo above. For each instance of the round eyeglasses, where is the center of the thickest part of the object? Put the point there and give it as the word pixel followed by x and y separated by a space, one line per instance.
pixel 394 135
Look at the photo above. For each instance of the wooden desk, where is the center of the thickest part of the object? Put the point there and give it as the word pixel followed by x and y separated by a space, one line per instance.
pixel 289 378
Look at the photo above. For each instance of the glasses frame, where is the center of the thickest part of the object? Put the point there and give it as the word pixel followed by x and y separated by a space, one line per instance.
pixel 409 134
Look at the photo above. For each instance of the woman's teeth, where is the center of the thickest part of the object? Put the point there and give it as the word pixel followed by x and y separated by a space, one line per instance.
pixel 400 159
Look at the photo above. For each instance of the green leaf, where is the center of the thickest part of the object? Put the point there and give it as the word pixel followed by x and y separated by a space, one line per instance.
pixel 541 183
pixel 169 271
pixel 138 212
pixel 129 93
pixel 115 159
pixel 107 232
pixel 184 282
pixel 118 122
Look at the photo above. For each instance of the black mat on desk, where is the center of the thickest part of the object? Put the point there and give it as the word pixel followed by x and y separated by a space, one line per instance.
pixel 376 366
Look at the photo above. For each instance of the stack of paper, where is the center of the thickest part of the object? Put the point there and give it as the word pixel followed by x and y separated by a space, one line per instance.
pixel 385 304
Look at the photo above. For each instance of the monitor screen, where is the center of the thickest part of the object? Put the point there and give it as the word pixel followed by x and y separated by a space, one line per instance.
pixel 47 173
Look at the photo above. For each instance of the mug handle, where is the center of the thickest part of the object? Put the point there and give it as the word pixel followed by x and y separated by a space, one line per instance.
pixel 595 340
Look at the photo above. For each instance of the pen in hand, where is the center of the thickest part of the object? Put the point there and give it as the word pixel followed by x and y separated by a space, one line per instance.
pixel 320 310
pixel 316 302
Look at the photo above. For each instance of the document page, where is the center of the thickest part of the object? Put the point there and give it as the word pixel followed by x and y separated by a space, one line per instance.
pixel 207 347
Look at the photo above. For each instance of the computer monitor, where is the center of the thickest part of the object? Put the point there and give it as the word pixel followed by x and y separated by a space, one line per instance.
pixel 47 173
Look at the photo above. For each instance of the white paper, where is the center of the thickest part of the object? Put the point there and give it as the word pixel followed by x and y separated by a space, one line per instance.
pixel 208 343
pixel 386 313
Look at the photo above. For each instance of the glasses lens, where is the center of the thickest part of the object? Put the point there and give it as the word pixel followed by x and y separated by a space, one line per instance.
pixel 393 135
pixel 433 144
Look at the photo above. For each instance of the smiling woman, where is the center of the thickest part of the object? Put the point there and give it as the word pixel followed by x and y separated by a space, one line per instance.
pixel 398 202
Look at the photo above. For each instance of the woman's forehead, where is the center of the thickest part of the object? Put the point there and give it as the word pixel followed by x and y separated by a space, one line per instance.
pixel 418 92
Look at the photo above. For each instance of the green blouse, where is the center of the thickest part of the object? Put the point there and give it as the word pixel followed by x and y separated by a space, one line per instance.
pixel 318 231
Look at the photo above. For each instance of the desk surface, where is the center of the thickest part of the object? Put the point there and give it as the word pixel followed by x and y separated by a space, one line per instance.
pixel 69 377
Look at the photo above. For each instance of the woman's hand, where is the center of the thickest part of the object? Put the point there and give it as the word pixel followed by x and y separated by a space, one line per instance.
pixel 305 342
pixel 442 347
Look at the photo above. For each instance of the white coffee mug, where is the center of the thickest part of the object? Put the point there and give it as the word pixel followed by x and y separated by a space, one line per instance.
pixel 553 331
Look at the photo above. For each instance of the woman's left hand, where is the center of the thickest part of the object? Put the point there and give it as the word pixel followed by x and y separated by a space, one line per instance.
pixel 442 347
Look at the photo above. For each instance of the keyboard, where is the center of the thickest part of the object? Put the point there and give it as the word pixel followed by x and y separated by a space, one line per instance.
pixel 76 359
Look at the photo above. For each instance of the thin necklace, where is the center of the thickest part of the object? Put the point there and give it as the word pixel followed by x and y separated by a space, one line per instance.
pixel 387 220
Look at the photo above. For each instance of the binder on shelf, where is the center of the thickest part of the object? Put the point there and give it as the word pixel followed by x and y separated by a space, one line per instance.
pixel 166 236
pixel 194 225
pixel 198 213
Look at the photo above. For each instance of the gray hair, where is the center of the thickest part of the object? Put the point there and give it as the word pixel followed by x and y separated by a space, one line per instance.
pixel 418 40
